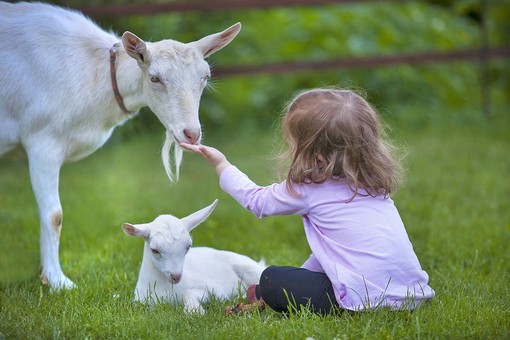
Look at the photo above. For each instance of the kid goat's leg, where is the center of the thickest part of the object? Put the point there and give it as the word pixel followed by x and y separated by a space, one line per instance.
pixel 44 175
pixel 191 301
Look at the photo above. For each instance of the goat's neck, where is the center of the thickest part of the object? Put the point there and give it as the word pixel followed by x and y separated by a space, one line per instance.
pixel 129 80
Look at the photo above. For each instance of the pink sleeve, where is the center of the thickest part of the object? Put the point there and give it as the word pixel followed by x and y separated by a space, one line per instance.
pixel 272 200
pixel 313 264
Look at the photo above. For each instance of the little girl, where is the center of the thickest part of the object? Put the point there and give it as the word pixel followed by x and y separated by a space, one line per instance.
pixel 340 180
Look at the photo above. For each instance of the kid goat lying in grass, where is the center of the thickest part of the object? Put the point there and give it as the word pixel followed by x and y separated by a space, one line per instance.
pixel 208 272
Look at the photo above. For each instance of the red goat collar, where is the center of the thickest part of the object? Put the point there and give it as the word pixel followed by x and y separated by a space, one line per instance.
pixel 118 97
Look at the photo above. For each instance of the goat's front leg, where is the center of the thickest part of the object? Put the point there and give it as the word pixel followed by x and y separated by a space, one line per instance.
pixel 192 300
pixel 44 175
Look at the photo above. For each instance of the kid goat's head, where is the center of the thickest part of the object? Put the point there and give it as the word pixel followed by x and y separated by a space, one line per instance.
pixel 174 77
pixel 167 241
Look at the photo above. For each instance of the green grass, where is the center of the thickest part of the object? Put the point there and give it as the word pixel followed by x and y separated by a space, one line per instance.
pixel 454 203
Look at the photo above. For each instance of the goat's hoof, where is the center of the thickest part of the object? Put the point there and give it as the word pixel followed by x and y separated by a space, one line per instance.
pixel 61 282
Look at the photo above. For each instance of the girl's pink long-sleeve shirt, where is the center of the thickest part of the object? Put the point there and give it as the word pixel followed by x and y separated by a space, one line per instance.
pixel 361 245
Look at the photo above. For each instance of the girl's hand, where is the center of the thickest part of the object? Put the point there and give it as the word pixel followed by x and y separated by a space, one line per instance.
pixel 215 158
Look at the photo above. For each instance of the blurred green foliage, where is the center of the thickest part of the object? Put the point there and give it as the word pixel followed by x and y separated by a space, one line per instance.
pixel 287 34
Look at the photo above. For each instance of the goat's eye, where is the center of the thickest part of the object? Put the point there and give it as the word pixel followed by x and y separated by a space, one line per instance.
pixel 187 249
pixel 155 251
pixel 155 79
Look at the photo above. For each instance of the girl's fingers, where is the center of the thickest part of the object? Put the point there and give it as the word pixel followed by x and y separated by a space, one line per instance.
pixel 184 146
pixel 207 154
pixel 190 147
pixel 214 157
pixel 198 149
pixel 205 150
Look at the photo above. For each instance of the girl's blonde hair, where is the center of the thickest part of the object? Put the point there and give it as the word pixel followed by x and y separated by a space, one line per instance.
pixel 336 134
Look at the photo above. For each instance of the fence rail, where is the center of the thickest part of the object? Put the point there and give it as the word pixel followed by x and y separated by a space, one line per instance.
pixel 205 6
pixel 366 62
pixel 483 54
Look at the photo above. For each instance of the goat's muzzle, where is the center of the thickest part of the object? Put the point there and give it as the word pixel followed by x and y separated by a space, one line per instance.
pixel 175 278
pixel 192 136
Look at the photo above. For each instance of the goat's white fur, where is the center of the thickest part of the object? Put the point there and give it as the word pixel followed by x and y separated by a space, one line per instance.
pixel 173 271
pixel 57 102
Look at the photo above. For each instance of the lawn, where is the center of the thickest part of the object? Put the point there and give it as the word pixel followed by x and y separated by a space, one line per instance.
pixel 454 203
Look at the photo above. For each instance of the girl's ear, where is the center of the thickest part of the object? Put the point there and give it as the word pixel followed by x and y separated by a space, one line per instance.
pixel 136 230
pixel 321 162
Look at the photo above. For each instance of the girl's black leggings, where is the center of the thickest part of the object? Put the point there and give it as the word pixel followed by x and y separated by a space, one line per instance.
pixel 288 288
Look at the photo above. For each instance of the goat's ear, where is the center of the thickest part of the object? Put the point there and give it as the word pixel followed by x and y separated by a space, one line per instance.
pixel 135 47
pixel 193 220
pixel 137 230
pixel 215 42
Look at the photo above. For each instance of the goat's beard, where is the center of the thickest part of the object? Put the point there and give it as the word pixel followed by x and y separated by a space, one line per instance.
pixel 177 157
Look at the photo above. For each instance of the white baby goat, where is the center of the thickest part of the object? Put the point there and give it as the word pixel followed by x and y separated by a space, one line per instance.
pixel 172 271
pixel 65 84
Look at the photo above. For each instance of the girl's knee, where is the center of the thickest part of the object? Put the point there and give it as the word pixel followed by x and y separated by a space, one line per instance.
pixel 268 272
pixel 272 282
pixel 270 275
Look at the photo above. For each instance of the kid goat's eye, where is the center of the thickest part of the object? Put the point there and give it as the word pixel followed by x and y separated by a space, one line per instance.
pixel 155 251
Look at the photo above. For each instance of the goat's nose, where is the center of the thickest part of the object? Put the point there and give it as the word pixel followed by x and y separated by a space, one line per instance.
pixel 192 135
pixel 176 277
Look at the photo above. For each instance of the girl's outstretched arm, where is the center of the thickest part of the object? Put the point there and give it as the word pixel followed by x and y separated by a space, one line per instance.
pixel 215 158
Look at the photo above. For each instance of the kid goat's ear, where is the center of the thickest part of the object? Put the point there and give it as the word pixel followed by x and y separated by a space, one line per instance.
pixel 193 220
pixel 137 230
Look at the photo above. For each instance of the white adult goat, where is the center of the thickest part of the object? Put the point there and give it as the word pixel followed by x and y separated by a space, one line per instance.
pixel 64 86
pixel 172 271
